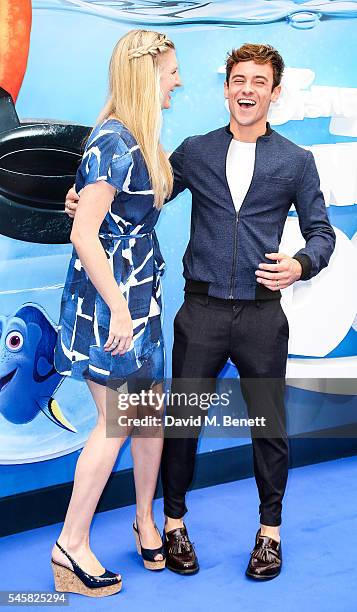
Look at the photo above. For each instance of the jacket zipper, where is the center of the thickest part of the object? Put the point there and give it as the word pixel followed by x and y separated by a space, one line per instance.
pixel 234 255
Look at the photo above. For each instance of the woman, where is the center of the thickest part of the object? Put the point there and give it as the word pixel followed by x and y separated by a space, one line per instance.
pixel 110 327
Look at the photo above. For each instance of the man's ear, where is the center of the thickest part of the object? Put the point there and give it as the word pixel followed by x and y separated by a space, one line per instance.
pixel 276 93
pixel 226 90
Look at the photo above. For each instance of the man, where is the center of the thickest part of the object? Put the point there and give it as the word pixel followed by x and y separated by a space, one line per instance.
pixel 243 179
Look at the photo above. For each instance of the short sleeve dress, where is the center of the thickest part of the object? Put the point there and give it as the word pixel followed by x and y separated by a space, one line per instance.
pixel 128 238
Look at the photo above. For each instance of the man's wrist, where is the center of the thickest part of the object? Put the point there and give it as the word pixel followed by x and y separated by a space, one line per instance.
pixel 305 262
pixel 298 268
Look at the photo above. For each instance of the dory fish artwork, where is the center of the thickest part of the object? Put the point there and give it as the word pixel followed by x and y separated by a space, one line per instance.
pixel 28 379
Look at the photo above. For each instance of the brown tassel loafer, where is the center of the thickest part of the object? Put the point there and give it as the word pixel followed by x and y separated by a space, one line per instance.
pixel 266 559
pixel 180 553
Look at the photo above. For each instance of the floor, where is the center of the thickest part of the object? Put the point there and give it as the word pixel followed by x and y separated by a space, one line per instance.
pixel 319 544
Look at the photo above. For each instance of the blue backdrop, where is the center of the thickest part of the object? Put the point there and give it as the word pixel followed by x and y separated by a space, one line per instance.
pixel 66 80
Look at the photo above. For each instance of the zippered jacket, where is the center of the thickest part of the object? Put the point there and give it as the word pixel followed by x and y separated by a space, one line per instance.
pixel 226 247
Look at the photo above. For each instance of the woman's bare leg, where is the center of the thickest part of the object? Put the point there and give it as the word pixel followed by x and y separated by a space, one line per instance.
pixel 93 469
pixel 146 454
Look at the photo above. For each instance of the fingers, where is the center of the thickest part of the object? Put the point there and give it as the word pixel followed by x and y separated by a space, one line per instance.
pixel 280 276
pixel 279 267
pixel 72 195
pixel 274 285
pixel 118 345
pixel 127 345
pixel 71 202
pixel 115 345
pixel 123 346
pixel 275 255
pixel 282 262
pixel 69 209
pixel 110 341
pixel 264 266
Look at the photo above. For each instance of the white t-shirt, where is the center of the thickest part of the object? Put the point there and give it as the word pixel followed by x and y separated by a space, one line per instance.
pixel 239 169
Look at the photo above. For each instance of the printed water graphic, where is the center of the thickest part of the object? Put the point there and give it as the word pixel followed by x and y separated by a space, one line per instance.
pixel 299 14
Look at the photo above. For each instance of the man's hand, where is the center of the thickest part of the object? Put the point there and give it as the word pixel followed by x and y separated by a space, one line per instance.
pixel 71 202
pixel 281 274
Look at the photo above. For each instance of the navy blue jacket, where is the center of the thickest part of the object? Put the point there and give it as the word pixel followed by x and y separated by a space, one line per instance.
pixel 226 247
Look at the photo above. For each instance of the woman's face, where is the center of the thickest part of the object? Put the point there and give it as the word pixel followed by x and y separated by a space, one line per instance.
pixel 169 76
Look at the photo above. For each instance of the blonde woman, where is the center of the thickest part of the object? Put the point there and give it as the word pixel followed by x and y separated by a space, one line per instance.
pixel 110 327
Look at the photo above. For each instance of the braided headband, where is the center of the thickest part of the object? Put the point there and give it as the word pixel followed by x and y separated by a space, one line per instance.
pixel 151 49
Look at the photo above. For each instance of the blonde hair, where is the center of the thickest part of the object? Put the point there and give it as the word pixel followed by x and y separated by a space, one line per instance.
pixel 134 99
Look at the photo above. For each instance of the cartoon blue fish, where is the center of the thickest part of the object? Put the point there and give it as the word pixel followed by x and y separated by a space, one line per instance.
pixel 28 379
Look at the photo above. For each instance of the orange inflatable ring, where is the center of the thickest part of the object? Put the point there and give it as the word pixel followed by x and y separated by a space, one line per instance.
pixel 15 28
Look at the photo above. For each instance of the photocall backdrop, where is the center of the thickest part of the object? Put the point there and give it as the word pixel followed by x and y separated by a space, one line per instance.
pixel 55 67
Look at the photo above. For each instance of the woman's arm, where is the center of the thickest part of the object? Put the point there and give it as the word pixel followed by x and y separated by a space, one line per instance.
pixel 95 200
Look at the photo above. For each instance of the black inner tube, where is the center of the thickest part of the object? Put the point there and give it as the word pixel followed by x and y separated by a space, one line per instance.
pixel 41 162
pixel 38 164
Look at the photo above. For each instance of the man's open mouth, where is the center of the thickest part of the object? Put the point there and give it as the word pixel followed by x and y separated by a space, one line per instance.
pixel 246 103
pixel 6 379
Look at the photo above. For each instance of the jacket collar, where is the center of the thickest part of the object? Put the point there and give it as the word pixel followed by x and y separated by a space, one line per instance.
pixel 265 136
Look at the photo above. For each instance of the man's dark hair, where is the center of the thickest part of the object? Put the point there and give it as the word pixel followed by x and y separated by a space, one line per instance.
pixel 260 54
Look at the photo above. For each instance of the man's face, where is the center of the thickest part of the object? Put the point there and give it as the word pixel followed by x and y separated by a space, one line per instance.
pixel 249 92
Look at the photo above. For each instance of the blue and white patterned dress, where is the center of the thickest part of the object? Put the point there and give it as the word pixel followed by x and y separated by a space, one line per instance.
pixel 128 237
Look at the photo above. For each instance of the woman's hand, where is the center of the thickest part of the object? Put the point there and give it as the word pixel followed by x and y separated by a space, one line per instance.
pixel 120 330
pixel 71 202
